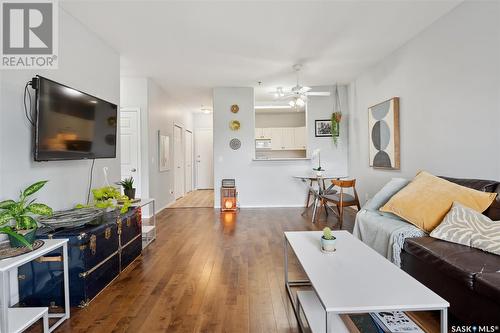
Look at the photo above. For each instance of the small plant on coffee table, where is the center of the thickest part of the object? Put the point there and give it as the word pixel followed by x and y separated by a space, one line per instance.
pixel 328 240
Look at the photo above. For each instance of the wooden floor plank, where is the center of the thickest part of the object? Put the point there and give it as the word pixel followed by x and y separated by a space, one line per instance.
pixel 206 272
pixel 195 199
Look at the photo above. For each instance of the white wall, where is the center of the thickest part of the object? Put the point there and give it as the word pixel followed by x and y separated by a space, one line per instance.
pixel 134 94
pixel 202 120
pixel 85 63
pixel 448 81
pixel 159 111
pixel 270 183
pixel 288 119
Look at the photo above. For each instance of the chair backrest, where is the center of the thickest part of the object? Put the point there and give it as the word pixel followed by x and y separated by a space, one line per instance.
pixel 344 183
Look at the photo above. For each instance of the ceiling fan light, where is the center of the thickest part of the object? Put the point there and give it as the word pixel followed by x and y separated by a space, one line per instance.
pixel 300 102
pixel 292 103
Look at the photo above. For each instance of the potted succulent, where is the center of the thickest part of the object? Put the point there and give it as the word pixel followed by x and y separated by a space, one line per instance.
pixel 328 240
pixel 22 213
pixel 128 187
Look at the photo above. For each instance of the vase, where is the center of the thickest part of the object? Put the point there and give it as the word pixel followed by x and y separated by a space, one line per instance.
pixel 328 244
pixel 29 235
pixel 130 193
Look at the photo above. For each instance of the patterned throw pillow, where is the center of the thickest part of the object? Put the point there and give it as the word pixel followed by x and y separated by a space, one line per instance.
pixel 465 226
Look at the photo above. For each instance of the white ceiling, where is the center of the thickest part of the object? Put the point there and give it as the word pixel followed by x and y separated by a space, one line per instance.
pixel 190 47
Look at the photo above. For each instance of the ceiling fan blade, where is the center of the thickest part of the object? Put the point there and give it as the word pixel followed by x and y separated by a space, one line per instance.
pixel 318 93
pixel 304 89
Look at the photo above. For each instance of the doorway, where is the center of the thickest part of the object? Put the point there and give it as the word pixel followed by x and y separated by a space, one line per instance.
pixel 204 158
pixel 179 176
pixel 188 137
pixel 130 147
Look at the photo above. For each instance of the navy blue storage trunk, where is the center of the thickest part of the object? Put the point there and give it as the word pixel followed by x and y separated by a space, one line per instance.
pixel 97 254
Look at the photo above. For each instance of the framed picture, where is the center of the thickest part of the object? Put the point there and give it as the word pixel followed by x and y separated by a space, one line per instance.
pixel 163 152
pixel 383 127
pixel 323 128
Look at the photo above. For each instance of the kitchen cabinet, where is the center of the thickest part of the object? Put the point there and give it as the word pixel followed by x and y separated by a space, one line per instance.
pixel 276 138
pixel 263 133
pixel 300 137
pixel 284 138
pixel 288 138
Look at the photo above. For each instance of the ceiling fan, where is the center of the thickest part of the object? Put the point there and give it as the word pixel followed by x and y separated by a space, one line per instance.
pixel 297 94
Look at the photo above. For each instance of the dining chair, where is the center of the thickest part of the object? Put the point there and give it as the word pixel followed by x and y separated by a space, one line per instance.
pixel 342 199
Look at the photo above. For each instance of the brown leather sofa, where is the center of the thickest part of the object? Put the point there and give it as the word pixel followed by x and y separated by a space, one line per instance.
pixel 468 278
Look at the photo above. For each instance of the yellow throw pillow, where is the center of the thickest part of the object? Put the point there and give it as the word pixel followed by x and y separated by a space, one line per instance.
pixel 427 199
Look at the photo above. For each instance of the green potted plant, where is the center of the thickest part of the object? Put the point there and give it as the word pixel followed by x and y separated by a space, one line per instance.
pixel 109 199
pixel 336 118
pixel 17 218
pixel 328 240
pixel 128 187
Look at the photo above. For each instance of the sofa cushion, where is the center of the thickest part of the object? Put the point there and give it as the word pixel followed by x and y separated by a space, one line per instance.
pixel 488 284
pixel 456 261
pixel 465 226
pixel 476 184
pixel 381 197
pixel 492 186
pixel 426 200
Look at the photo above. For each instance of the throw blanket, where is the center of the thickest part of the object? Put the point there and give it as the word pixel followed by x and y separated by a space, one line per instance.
pixel 384 232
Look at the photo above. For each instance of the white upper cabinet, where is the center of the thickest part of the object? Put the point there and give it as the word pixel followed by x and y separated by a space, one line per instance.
pixel 288 138
pixel 276 138
pixel 284 138
pixel 300 137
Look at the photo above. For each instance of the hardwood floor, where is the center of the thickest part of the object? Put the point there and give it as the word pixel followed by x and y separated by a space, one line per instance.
pixel 198 198
pixel 206 272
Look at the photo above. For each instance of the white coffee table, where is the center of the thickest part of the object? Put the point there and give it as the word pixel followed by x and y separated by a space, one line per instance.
pixel 355 279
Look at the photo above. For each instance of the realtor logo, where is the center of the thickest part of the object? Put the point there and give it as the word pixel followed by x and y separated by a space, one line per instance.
pixel 29 34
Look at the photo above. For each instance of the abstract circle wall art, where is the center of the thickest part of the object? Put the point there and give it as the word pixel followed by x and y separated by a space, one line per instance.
pixel 383 124
pixel 234 125
pixel 235 144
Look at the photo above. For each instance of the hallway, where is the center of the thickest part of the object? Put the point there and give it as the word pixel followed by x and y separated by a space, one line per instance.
pixel 195 199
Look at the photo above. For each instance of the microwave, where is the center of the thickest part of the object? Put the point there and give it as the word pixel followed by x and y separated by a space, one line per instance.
pixel 263 144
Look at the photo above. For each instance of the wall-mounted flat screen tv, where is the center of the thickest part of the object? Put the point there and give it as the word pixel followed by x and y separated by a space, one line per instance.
pixel 72 125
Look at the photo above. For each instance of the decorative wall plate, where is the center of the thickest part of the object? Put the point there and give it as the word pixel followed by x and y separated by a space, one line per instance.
pixel 234 125
pixel 235 108
pixel 235 144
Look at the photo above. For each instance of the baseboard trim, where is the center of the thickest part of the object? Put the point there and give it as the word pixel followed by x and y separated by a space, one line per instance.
pixel 267 206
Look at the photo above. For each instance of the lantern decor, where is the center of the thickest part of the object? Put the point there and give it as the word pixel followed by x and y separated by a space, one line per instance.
pixel 228 196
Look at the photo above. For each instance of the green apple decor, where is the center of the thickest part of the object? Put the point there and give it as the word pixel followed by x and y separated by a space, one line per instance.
pixel 22 213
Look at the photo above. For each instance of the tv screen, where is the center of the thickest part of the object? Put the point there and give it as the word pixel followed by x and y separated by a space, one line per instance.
pixel 72 125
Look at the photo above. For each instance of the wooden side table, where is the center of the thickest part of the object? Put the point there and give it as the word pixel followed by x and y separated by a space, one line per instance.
pixel 19 319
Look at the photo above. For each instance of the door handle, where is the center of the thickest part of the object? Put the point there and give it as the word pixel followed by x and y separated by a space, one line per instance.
pixel 133 169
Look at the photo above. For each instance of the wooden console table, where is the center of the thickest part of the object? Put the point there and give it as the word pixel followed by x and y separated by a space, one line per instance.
pixel 19 319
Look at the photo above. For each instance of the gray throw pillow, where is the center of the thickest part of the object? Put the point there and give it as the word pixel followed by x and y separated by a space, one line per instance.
pixel 463 225
pixel 382 196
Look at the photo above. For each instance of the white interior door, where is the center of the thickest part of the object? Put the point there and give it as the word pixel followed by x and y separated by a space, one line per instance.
pixel 130 146
pixel 203 146
pixel 179 176
pixel 188 139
